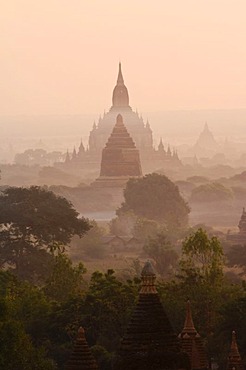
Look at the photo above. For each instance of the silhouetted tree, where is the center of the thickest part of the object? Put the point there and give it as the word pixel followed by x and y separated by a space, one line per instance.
pixel 33 220
pixel 162 252
pixel 157 198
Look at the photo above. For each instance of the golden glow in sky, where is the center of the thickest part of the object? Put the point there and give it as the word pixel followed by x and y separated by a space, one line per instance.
pixel 61 56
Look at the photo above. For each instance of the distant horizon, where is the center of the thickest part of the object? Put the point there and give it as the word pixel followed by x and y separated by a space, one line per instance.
pixel 134 109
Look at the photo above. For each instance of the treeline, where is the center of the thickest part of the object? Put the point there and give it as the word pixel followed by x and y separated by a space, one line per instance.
pixel 45 298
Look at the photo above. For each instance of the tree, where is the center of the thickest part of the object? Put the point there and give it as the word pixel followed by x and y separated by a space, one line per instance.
pixel 123 224
pixel 66 280
pixel 91 244
pixel 108 306
pixel 17 351
pixel 157 198
pixel 144 229
pixel 211 193
pixel 34 219
pixel 203 255
pixel 161 251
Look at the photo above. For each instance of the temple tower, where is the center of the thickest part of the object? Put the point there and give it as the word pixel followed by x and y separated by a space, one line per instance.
pixel 141 133
pixel 120 93
pixel 242 223
pixel 234 361
pixel 150 342
pixel 192 343
pixel 81 357
pixel 120 158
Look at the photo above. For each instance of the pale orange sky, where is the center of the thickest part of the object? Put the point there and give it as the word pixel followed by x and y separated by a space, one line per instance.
pixel 61 56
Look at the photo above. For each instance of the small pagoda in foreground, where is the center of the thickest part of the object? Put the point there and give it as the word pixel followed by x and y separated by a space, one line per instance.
pixel 234 361
pixel 192 343
pixel 81 357
pixel 150 342
pixel 120 158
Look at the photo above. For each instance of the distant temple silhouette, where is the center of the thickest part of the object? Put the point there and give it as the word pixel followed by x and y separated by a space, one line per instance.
pixel 140 132
pixel 120 158
pixel 240 237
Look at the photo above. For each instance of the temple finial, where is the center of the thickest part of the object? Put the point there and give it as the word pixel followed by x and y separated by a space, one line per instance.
pixel 81 333
pixel 234 348
pixel 148 279
pixel 234 360
pixel 120 80
pixel 120 93
pixel 161 146
pixel 189 327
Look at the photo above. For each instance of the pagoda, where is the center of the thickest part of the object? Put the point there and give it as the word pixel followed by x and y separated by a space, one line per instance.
pixel 239 237
pixel 120 158
pixel 192 343
pixel 139 131
pixel 234 361
pixel 150 342
pixel 87 159
pixel 81 357
pixel 242 223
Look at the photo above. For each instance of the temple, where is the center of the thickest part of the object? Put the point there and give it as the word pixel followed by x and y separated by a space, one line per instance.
pixel 239 237
pixel 139 130
pixel 150 342
pixel 234 361
pixel 192 343
pixel 206 145
pixel 120 158
pixel 81 357
pixel 242 223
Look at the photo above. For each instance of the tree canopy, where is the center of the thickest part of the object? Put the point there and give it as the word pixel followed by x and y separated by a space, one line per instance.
pixel 211 193
pixel 157 198
pixel 33 220
pixel 203 255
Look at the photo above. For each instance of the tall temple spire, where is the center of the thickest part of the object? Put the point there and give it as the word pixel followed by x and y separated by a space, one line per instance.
pixel 120 93
pixel 161 146
pixel 242 223
pixel 189 327
pixel 192 343
pixel 67 159
pixel 234 358
pixel 120 80
pixel 149 342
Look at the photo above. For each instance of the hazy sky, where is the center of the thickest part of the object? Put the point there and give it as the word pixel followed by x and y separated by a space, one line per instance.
pixel 61 56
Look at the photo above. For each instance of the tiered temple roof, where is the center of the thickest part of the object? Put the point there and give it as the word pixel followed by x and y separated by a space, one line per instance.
pixel 120 158
pixel 234 359
pixel 81 357
pixel 139 130
pixel 150 342
pixel 192 343
pixel 119 137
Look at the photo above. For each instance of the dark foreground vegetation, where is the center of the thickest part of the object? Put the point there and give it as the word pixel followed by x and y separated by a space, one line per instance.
pixel 45 298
